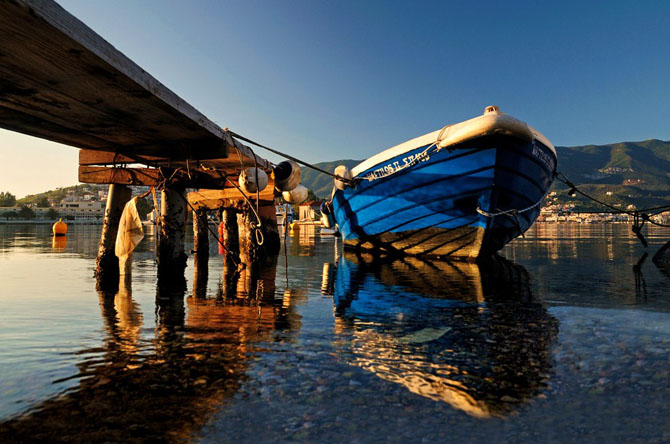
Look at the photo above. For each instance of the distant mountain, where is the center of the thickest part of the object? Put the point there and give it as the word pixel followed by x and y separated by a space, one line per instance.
pixel 319 183
pixel 622 174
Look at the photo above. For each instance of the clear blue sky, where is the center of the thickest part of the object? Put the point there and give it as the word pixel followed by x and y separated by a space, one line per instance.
pixel 326 80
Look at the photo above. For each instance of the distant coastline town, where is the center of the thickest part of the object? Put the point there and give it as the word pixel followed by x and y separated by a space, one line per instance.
pixel 85 204
pixel 554 212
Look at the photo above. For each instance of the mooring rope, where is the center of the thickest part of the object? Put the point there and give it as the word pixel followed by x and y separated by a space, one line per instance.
pixel 257 228
pixel 643 214
pixel 639 216
pixel 350 182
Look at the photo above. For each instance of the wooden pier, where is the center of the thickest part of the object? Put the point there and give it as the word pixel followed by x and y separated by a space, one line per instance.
pixel 61 81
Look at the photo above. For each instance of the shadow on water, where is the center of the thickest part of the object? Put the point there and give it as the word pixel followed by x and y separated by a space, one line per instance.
pixel 162 389
pixel 472 336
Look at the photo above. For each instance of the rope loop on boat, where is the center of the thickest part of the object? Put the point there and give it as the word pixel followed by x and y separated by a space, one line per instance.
pixel 511 212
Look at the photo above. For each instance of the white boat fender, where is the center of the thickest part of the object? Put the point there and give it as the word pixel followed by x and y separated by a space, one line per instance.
pixel 296 196
pixel 287 175
pixel 342 171
pixel 248 180
pixel 327 214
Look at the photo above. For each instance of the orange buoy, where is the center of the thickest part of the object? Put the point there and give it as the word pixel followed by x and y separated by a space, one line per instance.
pixel 59 242
pixel 59 228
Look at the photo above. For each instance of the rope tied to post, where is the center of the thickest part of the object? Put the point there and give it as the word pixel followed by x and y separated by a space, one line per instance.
pixel 351 182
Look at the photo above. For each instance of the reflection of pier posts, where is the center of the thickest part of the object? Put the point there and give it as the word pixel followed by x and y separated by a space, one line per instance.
pixel 171 256
pixel 107 264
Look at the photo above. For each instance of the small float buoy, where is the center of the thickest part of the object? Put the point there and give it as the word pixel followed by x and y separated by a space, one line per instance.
pixel 287 175
pixel 342 171
pixel 59 228
pixel 248 178
pixel 297 195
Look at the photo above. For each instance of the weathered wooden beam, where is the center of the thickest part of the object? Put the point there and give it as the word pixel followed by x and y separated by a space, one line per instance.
pixel 95 157
pixel 229 197
pixel 150 177
pixel 107 264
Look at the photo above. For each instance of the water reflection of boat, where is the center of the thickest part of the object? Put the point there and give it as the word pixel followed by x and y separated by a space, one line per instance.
pixel 470 335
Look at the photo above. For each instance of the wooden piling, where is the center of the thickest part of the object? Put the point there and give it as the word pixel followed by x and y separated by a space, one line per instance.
pixel 171 256
pixel 200 253
pixel 271 238
pixel 251 253
pixel 107 264
pixel 200 239
pixel 231 254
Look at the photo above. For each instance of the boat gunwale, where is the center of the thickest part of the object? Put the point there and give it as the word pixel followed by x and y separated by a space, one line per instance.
pixel 480 126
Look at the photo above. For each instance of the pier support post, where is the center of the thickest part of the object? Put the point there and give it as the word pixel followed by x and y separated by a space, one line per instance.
pixel 200 240
pixel 200 253
pixel 171 256
pixel 107 264
pixel 250 253
pixel 231 254
pixel 272 240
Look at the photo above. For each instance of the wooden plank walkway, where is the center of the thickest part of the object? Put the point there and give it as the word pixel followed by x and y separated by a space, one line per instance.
pixel 61 81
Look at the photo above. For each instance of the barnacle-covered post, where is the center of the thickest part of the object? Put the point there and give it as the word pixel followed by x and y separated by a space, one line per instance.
pixel 251 250
pixel 107 264
pixel 171 256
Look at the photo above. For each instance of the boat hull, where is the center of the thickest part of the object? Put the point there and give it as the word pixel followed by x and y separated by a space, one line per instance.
pixel 443 203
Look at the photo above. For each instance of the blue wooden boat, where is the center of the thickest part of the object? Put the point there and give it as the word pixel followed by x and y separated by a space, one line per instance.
pixel 463 191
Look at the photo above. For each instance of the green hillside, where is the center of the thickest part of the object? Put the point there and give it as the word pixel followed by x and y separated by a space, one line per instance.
pixel 322 184
pixel 622 174
pixel 627 173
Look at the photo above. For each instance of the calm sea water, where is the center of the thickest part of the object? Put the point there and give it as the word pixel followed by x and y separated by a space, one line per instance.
pixel 567 339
